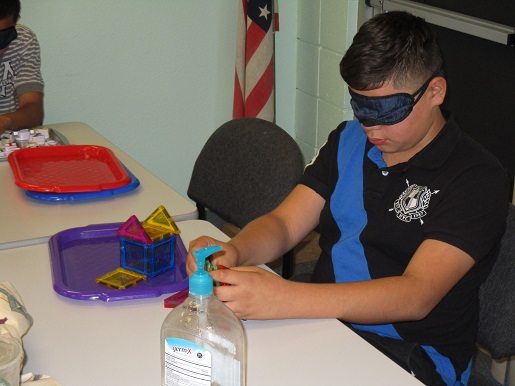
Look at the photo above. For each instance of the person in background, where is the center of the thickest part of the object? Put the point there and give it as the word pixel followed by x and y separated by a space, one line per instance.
pixel 21 83
pixel 410 212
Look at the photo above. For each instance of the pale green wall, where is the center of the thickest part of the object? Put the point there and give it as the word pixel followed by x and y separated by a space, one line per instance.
pixel 156 77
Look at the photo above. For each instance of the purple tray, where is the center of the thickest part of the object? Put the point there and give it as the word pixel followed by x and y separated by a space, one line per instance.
pixel 79 255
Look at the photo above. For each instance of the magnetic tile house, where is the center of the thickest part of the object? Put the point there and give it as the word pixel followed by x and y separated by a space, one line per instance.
pixel 149 247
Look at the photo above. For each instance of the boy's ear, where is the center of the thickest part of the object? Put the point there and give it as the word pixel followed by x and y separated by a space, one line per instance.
pixel 437 88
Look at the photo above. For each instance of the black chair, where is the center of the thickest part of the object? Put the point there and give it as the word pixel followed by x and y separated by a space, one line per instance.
pixel 246 169
pixel 496 331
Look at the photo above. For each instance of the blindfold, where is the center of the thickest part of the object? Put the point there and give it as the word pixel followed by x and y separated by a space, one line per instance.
pixel 385 110
pixel 7 36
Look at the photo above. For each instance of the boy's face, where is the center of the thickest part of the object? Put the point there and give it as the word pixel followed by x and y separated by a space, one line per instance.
pixel 6 34
pixel 400 141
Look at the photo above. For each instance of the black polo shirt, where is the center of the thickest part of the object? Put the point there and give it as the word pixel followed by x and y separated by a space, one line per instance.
pixel 375 218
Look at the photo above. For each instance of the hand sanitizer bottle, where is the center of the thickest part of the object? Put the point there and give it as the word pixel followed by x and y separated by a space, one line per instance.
pixel 202 342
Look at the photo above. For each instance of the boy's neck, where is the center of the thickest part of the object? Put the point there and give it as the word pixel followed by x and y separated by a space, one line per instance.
pixel 438 123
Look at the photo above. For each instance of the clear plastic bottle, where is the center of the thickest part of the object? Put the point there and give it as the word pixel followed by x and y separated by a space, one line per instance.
pixel 202 341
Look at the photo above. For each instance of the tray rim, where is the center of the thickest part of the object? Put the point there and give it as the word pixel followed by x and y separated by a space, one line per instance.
pixel 80 196
pixel 15 161
pixel 109 294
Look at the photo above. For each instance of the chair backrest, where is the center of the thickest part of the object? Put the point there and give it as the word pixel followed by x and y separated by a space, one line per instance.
pixel 245 169
pixel 496 330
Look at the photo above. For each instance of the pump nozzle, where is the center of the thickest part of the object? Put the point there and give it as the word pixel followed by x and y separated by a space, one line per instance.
pixel 201 282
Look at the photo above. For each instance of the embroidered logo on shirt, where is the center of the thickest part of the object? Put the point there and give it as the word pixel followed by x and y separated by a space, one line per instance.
pixel 413 202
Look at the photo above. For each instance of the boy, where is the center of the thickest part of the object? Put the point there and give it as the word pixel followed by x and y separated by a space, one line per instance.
pixel 410 212
pixel 21 86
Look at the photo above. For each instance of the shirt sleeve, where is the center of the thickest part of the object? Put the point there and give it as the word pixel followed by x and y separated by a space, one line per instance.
pixel 29 76
pixel 322 172
pixel 472 215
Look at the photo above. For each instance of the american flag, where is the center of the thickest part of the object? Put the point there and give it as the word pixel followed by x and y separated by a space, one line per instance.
pixel 254 94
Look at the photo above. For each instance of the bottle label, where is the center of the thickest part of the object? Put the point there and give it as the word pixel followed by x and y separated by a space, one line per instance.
pixel 186 363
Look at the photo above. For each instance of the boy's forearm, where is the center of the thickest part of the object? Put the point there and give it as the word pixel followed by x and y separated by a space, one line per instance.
pixel 29 114
pixel 270 236
pixel 261 241
pixel 371 302
pixel 26 117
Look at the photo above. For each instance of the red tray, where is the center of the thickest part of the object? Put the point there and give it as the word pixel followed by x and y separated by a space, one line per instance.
pixel 68 169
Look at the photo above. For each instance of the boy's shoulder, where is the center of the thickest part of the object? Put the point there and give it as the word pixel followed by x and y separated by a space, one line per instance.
pixel 347 129
pixel 454 145
pixel 24 30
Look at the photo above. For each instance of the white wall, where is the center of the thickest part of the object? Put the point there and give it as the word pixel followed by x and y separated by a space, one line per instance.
pixel 325 30
pixel 155 77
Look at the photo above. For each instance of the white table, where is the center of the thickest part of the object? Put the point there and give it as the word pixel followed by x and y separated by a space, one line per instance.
pixel 26 221
pixel 97 343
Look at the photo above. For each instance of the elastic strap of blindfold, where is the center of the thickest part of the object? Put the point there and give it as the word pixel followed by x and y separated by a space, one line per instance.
pixel 422 90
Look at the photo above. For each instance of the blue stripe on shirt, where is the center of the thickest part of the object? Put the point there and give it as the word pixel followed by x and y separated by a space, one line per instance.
pixel 347 208
pixel 348 255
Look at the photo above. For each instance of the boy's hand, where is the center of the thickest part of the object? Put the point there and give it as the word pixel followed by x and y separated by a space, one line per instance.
pixel 227 257
pixel 252 292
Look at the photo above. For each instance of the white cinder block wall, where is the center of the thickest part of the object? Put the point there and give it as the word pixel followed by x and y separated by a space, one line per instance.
pixel 325 30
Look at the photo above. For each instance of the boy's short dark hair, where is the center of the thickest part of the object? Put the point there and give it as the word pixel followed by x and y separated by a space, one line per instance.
pixel 394 46
pixel 10 8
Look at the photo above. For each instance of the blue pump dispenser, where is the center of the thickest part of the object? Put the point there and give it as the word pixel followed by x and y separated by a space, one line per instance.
pixel 201 283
